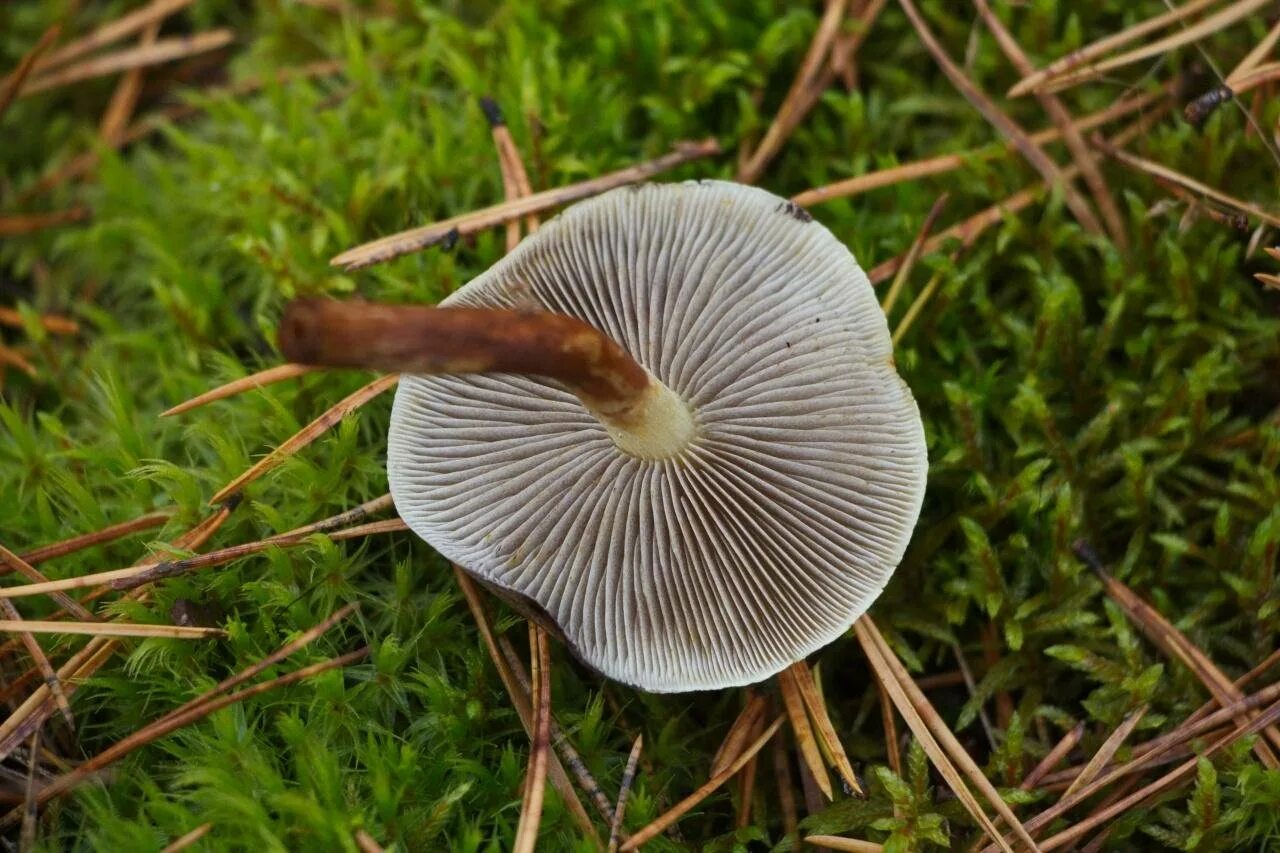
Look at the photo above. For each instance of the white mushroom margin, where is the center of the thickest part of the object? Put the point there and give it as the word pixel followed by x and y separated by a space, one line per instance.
pixel 782 520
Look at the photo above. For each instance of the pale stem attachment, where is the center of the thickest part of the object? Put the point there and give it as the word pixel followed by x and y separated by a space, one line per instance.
pixel 643 416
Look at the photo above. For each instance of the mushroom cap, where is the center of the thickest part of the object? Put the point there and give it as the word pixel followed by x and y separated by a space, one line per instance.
pixel 779 523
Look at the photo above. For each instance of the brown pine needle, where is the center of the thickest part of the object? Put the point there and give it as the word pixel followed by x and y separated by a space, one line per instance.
pixel 416 239
pixel 367 843
pixel 13 83
pixel 135 576
pixel 307 434
pixel 97 537
pixel 916 307
pixel 803 94
pixel 261 379
pixel 1062 120
pixel 114 31
pixel 41 661
pixel 515 180
pixel 1268 280
pixel 12 358
pixel 1055 756
pixel 1164 172
pixel 520 700
pixel 913 253
pixel 739 733
pixel 836 842
pixel 827 736
pixel 893 754
pixel 1049 171
pixel 52 323
pixel 183 842
pixel 536 780
pixel 970 229
pixel 1197 31
pixel 885 674
pixel 125 98
pixel 1175 644
pixel 13 563
pixel 164 50
pixel 805 743
pixel 1107 751
pixel 747 779
pixel 951 162
pixel 1259 76
pixel 1091 51
pixel 1255 56
pixel 1183 771
pixel 624 791
pixel 28 223
pixel 681 808
pixel 109 629
pixel 166 725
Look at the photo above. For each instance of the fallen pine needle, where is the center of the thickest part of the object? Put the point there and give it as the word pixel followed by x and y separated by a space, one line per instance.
pixel 13 83
pixel 535 782
pixel 183 842
pixel 28 223
pixel 836 842
pixel 114 31
pixel 1054 757
pixel 262 378
pixel 171 723
pixel 307 434
pixel 109 629
pixel 366 842
pixel 624 791
pixel 41 661
pixel 97 537
pixel 1197 31
pixel 739 734
pixel 1091 51
pixel 416 239
pixel 1106 752
pixel 913 253
pixel 1049 171
pixel 164 50
pixel 827 736
pixel 803 732
pixel 52 323
pixel 679 809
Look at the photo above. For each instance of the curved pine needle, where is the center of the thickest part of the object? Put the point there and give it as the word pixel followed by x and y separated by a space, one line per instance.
pixel 262 378
pixel 307 434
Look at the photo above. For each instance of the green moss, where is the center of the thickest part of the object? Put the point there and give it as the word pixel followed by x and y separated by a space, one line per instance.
pixel 1068 391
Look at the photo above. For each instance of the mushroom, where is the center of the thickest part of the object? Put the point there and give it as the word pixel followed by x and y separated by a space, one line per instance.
pixel 669 423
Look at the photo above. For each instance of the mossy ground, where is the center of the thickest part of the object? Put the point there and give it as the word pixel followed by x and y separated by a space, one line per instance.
pixel 1067 390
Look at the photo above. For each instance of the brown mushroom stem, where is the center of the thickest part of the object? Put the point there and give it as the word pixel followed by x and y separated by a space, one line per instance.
pixel 643 416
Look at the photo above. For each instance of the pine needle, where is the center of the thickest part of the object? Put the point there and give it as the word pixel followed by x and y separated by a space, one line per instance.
pixel 945 163
pixel 1054 757
pixel 13 563
pixel 170 723
pixel 1107 751
pixel 827 737
pixel 536 778
pixel 1200 30
pixel 13 83
pixel 913 253
pixel 164 50
pixel 125 98
pixel 1049 171
pixel 27 635
pixel 55 324
pixel 739 734
pixel 896 685
pixel 800 98
pixel 416 239
pixel 805 742
pixel 87 540
pixel 109 629
pixel 366 842
pixel 681 808
pixel 18 224
pixel 307 434
pixel 624 791
pixel 261 379
pixel 1091 51
pixel 114 31
pixel 183 842
pixel 835 842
